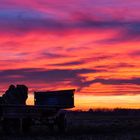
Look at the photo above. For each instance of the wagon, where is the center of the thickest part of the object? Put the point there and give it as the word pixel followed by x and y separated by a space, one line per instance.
pixel 49 109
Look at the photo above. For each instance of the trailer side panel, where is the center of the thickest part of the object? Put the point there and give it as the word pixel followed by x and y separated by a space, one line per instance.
pixel 61 98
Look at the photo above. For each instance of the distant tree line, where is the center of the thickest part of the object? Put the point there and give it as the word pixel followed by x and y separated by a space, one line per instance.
pixel 117 111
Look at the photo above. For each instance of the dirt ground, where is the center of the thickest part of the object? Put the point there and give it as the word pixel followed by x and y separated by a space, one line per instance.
pixel 86 126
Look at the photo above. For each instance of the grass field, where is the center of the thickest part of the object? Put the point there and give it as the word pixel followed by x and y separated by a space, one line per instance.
pixel 88 126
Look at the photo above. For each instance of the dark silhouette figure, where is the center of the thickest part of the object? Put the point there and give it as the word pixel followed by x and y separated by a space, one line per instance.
pixel 15 95
pixel 8 97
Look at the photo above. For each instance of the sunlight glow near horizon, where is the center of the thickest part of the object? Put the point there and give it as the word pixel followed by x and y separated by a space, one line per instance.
pixel 86 102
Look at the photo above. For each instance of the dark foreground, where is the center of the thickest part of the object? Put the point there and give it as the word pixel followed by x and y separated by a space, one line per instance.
pixel 88 126
pixel 122 136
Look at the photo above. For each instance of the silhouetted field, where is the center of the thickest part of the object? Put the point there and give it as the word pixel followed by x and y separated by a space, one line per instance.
pixel 93 125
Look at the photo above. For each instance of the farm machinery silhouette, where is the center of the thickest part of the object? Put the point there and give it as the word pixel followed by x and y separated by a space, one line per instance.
pixel 48 109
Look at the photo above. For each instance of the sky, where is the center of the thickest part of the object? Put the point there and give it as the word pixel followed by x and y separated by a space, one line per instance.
pixel 92 46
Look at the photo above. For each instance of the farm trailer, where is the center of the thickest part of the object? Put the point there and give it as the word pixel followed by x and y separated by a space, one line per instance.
pixel 48 109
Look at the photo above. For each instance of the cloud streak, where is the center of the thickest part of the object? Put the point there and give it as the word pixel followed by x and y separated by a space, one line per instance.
pixel 21 21
pixel 82 44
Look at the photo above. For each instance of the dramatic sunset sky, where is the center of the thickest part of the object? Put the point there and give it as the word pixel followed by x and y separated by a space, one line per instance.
pixel 90 45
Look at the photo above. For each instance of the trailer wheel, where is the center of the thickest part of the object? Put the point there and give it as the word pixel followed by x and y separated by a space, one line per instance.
pixel 62 123
pixel 26 125
pixel 5 124
pixel 10 126
pixel 51 128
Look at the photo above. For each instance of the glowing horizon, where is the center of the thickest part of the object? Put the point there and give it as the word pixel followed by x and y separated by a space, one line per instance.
pixel 86 102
